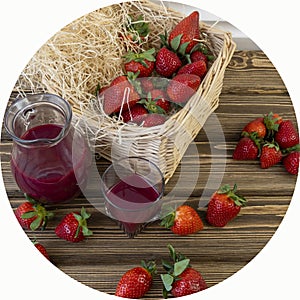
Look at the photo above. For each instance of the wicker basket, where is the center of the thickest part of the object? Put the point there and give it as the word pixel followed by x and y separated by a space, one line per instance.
pixel 165 144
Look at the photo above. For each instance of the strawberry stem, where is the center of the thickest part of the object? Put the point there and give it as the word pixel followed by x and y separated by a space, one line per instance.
pixel 232 194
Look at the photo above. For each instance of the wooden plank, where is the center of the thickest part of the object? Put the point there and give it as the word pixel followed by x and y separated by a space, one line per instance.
pixel 252 87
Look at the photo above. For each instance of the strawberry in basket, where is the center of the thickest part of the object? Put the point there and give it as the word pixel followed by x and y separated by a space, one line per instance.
pixel 121 94
pixel 186 33
pixel 141 63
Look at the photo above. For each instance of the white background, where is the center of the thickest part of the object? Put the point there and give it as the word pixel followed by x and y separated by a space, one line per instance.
pixel 26 25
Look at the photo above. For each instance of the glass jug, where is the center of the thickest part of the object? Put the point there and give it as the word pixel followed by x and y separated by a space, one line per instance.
pixel 50 159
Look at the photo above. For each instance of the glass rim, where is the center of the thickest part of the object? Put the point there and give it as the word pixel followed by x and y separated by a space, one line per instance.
pixel 138 209
pixel 45 141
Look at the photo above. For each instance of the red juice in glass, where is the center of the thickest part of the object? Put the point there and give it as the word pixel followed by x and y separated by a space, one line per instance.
pixel 131 201
pixel 47 173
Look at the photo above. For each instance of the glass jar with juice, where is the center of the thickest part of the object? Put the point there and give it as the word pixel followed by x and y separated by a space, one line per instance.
pixel 50 159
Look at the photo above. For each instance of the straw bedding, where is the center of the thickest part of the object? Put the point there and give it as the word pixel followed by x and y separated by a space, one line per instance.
pixel 88 52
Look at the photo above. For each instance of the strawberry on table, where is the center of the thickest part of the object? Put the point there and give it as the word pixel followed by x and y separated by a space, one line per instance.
pixel 167 62
pixel 247 148
pixel 291 162
pixel 287 135
pixel 32 215
pixel 120 94
pixel 198 68
pixel 41 248
pixel 182 87
pixel 136 282
pixel 270 155
pixel 183 221
pixel 258 126
pixel 73 227
pixel 141 63
pixel 181 278
pixel 224 205
pixel 187 31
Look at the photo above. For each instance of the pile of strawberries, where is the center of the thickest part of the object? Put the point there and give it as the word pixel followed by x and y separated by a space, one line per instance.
pixel 271 140
pixel 158 82
pixel 180 279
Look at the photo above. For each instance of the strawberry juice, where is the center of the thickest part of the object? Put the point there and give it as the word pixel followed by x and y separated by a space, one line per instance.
pixel 53 173
pixel 132 201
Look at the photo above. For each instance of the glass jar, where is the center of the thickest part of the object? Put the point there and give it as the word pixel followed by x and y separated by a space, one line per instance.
pixel 50 159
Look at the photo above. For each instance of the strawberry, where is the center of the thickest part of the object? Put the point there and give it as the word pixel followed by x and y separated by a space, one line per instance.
pixel 270 155
pixel 258 126
pixel 141 63
pixel 152 120
pixel 272 122
pixel 121 94
pixel 287 135
pixel 246 149
pixel 136 282
pixel 224 205
pixel 197 68
pixel 135 114
pixel 147 84
pixel 136 29
pixel 181 279
pixel 198 55
pixel 182 87
pixel 42 249
pixel 157 102
pixel 187 32
pixel 291 162
pixel 167 62
pixel 73 227
pixel 183 221
pixel 32 215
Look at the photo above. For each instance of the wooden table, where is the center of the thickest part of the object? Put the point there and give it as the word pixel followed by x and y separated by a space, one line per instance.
pixel 252 87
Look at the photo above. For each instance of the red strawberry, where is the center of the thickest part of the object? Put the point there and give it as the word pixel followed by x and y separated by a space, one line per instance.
pixel 152 120
pixel 187 31
pixel 183 221
pixel 42 249
pixel 135 114
pixel 190 281
pixel 287 135
pixel 32 215
pixel 182 87
pixel 270 155
pixel 157 102
pixel 136 282
pixel 147 85
pixel 167 62
pixel 181 279
pixel 291 162
pixel 73 227
pixel 120 94
pixel 272 122
pixel 246 149
pixel 197 68
pixel 224 205
pixel 143 63
pixel 198 55
pixel 257 126
pixel 136 29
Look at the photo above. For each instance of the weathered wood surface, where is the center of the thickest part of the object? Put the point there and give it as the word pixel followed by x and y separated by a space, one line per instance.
pixel 252 87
